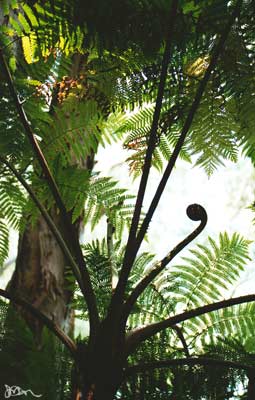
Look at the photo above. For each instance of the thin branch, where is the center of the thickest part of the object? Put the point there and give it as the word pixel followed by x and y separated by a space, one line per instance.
pixel 70 232
pixel 194 212
pixel 109 241
pixel 66 340
pixel 129 256
pixel 200 91
pixel 12 41
pixel 138 335
pixel 182 340
pixel 190 361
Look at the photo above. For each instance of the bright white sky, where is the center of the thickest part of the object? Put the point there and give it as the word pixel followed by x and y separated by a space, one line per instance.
pixel 226 197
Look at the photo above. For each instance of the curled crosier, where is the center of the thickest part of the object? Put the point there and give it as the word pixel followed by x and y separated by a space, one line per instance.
pixel 196 213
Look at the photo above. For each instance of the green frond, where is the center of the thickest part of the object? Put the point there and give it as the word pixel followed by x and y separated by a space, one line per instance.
pixel 29 48
pixel 41 29
pixel 13 142
pixel 4 242
pixel 74 131
pixel 73 183
pixel 236 321
pixel 104 198
pixel 100 269
pixel 154 304
pixel 136 129
pixel 211 271
pixel 212 136
pixel 12 202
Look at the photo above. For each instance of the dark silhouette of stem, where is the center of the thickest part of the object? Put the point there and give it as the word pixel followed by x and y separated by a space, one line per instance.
pixel 182 340
pixel 200 91
pixel 66 340
pixel 138 335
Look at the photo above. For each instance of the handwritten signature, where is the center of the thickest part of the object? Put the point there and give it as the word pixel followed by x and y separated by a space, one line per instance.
pixel 11 391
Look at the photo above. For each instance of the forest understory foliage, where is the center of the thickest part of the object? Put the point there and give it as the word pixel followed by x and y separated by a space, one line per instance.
pixel 165 80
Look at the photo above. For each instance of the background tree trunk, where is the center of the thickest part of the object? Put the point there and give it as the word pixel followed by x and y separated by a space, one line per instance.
pixel 39 274
pixel 39 277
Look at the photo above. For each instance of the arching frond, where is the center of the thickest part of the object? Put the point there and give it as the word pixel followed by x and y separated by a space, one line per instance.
pixel 212 269
pixel 237 321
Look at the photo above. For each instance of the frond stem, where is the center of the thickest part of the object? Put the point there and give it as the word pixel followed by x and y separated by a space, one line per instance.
pixel 182 339
pixel 138 335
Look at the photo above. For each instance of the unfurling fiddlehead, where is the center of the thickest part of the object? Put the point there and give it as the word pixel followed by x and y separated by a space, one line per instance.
pixel 197 213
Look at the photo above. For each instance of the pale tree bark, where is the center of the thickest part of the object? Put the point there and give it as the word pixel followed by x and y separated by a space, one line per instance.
pixel 39 274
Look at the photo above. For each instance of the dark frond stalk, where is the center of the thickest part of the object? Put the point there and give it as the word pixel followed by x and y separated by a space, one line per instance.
pixel 200 214
pixel 190 361
pixel 70 233
pixel 61 242
pixel 66 340
pixel 109 241
pixel 138 335
pixel 130 252
pixel 194 107
pixel 181 337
